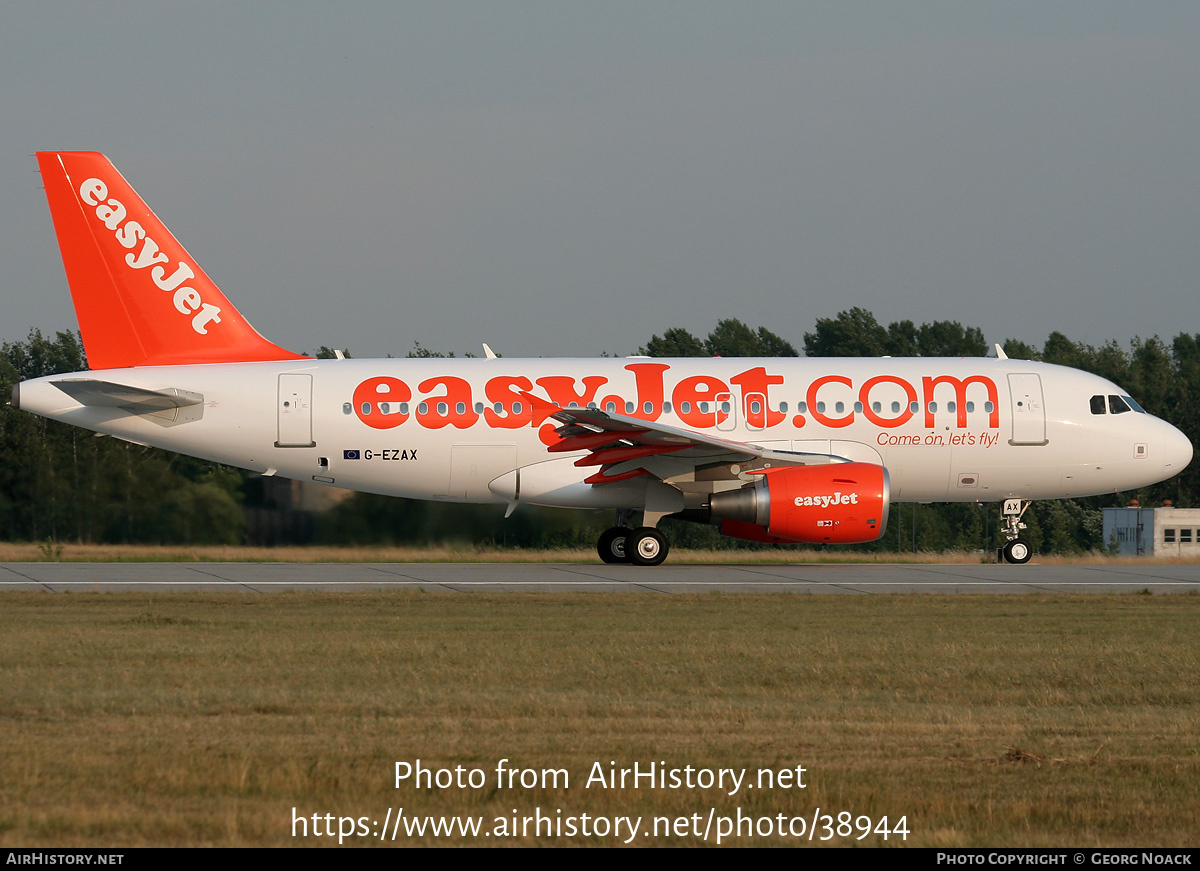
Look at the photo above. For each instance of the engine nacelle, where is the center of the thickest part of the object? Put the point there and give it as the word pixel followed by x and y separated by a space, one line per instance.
pixel 842 503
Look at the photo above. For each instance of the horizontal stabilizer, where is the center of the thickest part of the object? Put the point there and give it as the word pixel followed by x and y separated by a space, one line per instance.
pixel 104 394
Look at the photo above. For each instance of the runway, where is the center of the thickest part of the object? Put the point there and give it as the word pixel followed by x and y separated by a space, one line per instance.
pixel 852 579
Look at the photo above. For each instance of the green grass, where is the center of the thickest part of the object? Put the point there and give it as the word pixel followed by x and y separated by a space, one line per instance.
pixel 204 719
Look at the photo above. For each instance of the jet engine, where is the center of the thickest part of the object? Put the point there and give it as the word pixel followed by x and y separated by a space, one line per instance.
pixel 842 503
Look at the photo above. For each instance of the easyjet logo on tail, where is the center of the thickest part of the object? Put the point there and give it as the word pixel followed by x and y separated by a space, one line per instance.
pixel 128 234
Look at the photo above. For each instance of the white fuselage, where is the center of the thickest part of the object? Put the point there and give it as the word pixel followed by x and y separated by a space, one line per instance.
pixel 969 429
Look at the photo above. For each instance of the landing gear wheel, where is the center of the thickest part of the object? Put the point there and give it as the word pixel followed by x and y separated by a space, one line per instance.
pixel 646 547
pixel 612 544
pixel 1017 551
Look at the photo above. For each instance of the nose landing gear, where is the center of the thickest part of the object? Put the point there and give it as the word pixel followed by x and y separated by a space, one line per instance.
pixel 1016 550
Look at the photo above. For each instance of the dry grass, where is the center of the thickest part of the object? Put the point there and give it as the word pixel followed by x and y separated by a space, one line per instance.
pixel 14 552
pixel 204 719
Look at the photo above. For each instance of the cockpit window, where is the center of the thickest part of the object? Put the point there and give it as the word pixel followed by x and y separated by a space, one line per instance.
pixel 1133 404
pixel 1098 405
pixel 1117 405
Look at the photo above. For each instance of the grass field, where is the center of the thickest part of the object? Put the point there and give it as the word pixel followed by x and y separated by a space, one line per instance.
pixel 205 719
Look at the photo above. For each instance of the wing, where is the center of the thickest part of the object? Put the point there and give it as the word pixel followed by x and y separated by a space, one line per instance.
pixel 624 447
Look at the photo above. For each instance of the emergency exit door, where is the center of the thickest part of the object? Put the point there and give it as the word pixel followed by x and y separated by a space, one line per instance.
pixel 295 412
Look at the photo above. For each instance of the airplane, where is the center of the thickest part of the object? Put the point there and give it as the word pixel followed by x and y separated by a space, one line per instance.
pixel 786 450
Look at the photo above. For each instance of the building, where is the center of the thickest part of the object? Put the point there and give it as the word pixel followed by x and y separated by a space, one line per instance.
pixel 1165 531
pixel 287 511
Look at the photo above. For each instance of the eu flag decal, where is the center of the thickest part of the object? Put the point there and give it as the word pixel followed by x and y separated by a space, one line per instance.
pixel 351 455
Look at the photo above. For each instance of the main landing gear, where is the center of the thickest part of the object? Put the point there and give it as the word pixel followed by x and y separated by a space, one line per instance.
pixel 1016 550
pixel 643 546
pixel 612 545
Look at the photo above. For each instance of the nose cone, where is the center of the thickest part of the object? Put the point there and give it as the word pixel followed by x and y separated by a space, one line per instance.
pixel 1177 451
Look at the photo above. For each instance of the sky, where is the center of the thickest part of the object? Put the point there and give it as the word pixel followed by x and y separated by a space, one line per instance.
pixel 568 178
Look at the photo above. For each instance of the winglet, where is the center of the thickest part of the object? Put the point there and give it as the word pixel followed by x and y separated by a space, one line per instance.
pixel 140 298
pixel 1000 355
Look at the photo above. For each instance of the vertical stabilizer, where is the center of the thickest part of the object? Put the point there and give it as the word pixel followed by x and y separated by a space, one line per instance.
pixel 140 298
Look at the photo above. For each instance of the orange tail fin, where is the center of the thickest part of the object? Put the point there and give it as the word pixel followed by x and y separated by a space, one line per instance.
pixel 140 298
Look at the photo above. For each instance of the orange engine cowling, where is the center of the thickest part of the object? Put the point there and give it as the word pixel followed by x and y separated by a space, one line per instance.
pixel 842 503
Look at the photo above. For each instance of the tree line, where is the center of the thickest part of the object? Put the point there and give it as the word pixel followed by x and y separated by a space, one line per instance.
pixel 66 484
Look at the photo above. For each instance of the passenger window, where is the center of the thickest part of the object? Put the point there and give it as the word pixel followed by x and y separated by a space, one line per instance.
pixel 1168 536
pixel 1185 536
pixel 1117 405
pixel 1098 404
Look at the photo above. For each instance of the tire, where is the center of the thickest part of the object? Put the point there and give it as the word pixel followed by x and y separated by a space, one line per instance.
pixel 646 547
pixel 1018 551
pixel 612 545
